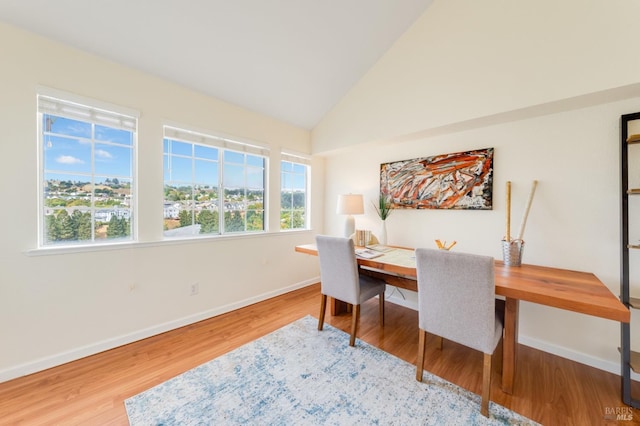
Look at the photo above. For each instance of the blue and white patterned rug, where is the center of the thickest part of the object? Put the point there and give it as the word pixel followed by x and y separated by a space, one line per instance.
pixel 298 375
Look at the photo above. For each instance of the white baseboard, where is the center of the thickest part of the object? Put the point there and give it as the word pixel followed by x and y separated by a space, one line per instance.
pixel 81 352
pixel 601 364
pixel 393 296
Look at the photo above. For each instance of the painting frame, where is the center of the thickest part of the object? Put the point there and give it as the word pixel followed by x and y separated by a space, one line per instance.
pixel 459 181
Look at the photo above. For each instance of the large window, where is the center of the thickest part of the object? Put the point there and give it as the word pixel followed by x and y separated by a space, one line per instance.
pixel 293 192
pixel 208 178
pixel 86 172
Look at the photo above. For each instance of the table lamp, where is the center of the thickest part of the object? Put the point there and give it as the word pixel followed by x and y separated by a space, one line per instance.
pixel 350 204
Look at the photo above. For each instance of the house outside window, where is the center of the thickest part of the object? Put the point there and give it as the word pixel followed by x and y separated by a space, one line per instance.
pixel 294 200
pixel 87 157
pixel 207 178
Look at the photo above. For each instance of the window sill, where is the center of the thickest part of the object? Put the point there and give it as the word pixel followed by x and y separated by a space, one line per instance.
pixel 128 245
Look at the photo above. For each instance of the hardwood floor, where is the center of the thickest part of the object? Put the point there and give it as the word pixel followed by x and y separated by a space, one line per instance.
pixel 548 389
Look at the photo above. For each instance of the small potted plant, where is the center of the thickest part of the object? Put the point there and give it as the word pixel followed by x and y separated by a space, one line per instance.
pixel 383 208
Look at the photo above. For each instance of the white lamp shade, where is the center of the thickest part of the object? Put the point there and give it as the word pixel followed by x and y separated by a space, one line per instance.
pixel 350 204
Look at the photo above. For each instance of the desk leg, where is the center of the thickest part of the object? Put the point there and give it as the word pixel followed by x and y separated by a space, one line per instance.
pixel 337 306
pixel 510 344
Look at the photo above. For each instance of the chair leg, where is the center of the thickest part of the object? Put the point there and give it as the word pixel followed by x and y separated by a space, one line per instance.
pixel 381 297
pixel 486 385
pixel 323 308
pixel 422 342
pixel 354 324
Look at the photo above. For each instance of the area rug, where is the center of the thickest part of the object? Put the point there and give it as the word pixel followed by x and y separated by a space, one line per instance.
pixel 298 375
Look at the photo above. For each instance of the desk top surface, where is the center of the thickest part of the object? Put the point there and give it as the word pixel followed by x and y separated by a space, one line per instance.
pixel 575 291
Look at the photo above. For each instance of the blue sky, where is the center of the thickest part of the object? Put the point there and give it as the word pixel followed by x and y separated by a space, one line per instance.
pixel 70 152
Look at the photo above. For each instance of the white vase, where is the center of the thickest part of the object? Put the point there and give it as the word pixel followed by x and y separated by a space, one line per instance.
pixel 383 233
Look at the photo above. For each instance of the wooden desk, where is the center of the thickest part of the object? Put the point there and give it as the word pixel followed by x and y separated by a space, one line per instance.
pixel 575 291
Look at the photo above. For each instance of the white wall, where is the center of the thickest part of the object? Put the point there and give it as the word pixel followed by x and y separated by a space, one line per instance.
pixel 544 83
pixel 58 307
pixel 466 59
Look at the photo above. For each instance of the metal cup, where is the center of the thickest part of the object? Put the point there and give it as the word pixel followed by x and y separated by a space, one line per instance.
pixel 512 252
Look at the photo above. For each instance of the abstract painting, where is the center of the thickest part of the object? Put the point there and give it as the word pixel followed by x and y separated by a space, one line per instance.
pixel 461 180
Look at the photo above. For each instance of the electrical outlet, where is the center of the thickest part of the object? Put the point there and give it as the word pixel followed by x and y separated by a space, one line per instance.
pixel 195 288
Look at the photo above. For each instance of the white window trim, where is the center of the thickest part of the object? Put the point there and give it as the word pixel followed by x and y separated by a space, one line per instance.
pixel 294 157
pixel 86 101
pixel 179 133
pixel 106 114
pixel 304 159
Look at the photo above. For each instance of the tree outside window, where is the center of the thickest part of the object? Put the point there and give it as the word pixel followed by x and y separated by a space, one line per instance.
pixel 293 195
pixel 203 183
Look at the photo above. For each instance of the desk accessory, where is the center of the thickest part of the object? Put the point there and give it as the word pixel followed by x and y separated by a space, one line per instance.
pixel 363 237
pixel 443 245
pixel 368 253
pixel 380 247
pixel 512 249
pixel 384 209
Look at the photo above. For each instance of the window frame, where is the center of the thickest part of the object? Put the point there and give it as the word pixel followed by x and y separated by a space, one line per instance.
pixel 304 161
pixel 96 114
pixel 223 145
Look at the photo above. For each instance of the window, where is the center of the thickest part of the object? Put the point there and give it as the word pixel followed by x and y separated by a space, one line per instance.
pixel 293 192
pixel 207 178
pixel 86 173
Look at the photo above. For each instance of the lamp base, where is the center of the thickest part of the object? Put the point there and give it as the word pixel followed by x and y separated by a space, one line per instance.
pixel 349 226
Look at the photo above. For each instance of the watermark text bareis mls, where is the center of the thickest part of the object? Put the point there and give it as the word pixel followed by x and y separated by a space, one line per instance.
pixel 618 413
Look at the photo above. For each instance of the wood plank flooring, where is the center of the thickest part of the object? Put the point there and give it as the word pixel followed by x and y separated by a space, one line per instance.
pixel 91 391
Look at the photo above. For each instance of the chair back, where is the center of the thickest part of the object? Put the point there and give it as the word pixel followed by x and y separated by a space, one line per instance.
pixel 338 268
pixel 456 297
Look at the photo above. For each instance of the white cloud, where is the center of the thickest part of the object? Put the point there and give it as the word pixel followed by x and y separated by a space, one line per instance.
pixel 103 154
pixel 68 159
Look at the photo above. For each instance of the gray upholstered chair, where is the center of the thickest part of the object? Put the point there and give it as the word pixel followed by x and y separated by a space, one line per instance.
pixel 339 279
pixel 456 301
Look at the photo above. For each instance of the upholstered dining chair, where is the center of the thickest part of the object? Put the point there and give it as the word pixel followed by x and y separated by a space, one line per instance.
pixel 456 301
pixel 339 278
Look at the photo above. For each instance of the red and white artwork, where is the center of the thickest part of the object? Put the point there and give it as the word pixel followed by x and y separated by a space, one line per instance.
pixel 462 180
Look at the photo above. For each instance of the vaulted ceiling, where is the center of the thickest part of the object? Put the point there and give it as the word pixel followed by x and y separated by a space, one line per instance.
pixel 289 59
